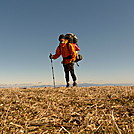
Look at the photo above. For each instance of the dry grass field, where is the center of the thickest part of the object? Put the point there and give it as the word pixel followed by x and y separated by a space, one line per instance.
pixel 80 110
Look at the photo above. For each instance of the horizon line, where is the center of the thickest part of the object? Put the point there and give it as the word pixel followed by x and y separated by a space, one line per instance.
pixel 43 84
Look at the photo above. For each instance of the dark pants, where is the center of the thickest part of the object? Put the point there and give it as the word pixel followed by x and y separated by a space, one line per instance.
pixel 69 68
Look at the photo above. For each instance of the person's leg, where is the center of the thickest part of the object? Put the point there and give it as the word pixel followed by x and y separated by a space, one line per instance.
pixel 66 70
pixel 71 69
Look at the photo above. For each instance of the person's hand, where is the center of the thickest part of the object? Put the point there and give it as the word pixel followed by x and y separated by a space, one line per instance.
pixel 51 56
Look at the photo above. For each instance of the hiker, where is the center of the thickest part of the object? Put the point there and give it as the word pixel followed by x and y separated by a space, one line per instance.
pixel 67 50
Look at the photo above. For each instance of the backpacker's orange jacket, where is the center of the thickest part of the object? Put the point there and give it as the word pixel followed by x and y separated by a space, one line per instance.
pixel 65 51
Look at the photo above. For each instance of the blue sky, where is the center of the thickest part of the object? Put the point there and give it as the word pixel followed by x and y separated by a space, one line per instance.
pixel 29 30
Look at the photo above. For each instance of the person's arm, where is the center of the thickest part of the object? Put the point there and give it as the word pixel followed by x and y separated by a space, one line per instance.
pixel 77 48
pixel 58 53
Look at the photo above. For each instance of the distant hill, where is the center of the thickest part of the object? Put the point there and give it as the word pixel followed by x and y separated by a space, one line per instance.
pixel 80 85
pixel 90 85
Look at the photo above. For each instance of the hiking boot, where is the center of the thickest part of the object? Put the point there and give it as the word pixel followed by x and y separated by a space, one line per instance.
pixel 68 85
pixel 74 84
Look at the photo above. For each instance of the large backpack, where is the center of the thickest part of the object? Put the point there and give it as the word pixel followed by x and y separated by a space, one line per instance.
pixel 72 38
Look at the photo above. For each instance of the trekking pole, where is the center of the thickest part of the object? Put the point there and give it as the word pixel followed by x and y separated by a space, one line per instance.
pixel 53 72
pixel 77 64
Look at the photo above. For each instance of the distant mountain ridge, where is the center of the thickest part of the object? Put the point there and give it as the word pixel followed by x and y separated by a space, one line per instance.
pixel 79 85
pixel 90 85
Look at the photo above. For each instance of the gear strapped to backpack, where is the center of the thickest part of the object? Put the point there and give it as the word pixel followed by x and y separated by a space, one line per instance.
pixel 79 57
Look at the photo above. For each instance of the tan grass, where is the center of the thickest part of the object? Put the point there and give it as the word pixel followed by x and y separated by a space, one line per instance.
pixel 81 110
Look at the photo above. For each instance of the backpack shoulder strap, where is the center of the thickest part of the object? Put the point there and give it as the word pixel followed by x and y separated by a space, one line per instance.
pixel 68 48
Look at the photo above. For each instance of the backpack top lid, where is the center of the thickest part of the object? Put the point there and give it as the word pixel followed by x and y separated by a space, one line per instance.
pixel 67 36
pixel 71 37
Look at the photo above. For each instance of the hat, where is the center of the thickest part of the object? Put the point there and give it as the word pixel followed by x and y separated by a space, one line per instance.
pixel 61 37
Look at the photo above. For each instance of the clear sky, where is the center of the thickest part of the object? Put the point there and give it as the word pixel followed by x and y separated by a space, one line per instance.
pixel 29 30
